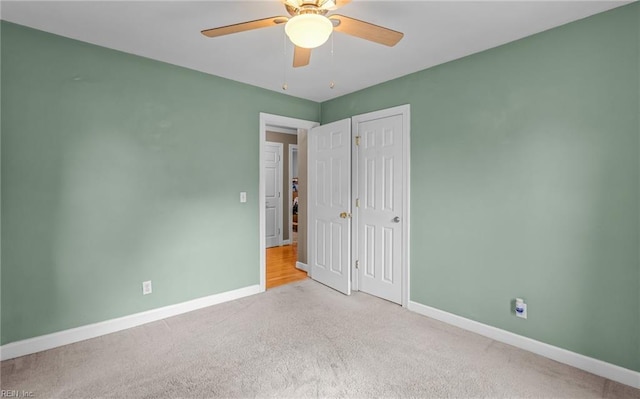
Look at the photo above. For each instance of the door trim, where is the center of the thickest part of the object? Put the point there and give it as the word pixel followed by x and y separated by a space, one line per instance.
pixel 278 121
pixel 405 112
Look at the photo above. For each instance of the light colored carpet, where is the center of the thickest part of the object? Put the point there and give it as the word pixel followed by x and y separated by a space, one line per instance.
pixel 299 340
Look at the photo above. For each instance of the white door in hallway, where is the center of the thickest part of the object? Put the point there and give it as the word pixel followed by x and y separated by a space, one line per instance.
pixel 329 206
pixel 273 192
pixel 379 189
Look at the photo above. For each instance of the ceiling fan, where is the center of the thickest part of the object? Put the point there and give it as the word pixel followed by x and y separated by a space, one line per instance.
pixel 309 27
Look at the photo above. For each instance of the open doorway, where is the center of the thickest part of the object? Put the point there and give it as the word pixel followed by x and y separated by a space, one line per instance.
pixel 285 262
pixel 282 206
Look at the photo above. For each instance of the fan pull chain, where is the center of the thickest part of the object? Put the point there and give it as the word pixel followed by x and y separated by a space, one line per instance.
pixel 332 84
pixel 285 86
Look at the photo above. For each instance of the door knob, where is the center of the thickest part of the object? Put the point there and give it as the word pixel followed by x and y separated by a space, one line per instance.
pixel 396 219
pixel 345 215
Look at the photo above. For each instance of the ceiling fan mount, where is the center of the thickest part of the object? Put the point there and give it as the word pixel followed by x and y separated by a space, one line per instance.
pixel 309 27
pixel 305 9
pixel 320 7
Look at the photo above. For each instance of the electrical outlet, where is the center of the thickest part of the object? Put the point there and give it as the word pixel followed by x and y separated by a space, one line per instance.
pixel 243 196
pixel 146 287
pixel 521 308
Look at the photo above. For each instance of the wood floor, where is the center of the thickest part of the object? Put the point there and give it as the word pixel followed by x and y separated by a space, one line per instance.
pixel 281 266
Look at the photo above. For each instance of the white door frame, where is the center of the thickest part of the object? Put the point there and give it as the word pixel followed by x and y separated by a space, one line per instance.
pixel 281 121
pixel 292 147
pixel 403 110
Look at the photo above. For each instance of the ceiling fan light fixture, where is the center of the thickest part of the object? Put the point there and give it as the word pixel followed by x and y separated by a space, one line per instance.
pixel 309 30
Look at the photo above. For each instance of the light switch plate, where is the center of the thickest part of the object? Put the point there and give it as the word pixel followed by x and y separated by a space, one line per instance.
pixel 243 196
pixel 146 288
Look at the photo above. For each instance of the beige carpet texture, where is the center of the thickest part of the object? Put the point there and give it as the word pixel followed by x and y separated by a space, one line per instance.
pixel 298 341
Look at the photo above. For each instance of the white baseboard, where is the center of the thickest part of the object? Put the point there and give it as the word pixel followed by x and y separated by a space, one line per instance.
pixel 49 341
pixel 302 266
pixel 595 366
pixel 286 242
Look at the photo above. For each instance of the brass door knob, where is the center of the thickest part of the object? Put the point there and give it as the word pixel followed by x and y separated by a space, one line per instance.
pixel 345 215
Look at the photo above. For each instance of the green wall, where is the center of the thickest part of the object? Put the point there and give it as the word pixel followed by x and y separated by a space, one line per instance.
pixel 117 169
pixel 525 182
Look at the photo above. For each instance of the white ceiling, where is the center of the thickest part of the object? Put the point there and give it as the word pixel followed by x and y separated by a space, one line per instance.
pixel 169 31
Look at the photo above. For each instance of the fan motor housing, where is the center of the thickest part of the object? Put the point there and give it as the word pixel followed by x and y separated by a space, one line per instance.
pixel 305 9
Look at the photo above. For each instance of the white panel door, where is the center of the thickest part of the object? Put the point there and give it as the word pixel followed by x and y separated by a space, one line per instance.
pixel 380 193
pixel 273 188
pixel 329 205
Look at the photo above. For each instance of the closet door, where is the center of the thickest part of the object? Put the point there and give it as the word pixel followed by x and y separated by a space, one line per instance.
pixel 329 171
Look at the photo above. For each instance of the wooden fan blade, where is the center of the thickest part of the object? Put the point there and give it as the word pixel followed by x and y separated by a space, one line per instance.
pixel 244 26
pixel 366 30
pixel 342 3
pixel 301 56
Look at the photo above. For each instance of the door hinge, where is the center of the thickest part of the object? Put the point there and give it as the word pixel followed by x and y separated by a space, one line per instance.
pixel 357 264
pixel 357 202
pixel 279 193
pixel 279 232
pixel 357 140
